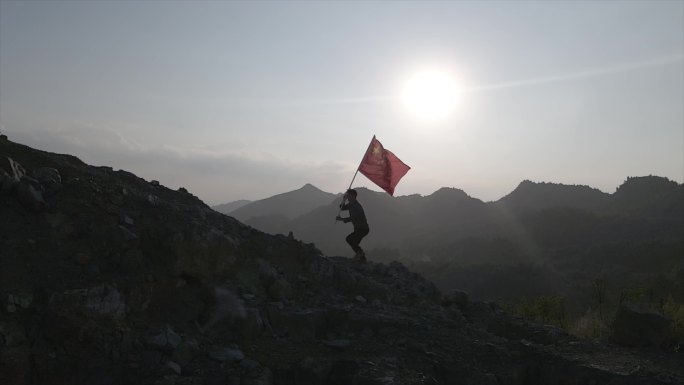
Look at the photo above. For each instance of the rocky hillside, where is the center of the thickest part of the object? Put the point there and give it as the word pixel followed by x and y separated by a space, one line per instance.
pixel 106 278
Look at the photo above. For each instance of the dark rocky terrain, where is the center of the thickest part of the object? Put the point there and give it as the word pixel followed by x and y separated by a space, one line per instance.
pixel 106 278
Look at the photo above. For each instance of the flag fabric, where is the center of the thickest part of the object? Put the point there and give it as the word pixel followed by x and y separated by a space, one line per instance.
pixel 382 167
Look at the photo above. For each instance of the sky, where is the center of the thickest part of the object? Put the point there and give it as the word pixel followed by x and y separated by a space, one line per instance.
pixel 244 100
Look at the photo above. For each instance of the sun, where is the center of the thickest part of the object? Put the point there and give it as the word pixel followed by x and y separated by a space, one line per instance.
pixel 430 94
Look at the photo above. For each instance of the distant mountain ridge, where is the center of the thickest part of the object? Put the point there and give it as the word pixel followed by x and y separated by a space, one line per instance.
pixel 414 223
pixel 289 205
pixel 227 208
pixel 538 196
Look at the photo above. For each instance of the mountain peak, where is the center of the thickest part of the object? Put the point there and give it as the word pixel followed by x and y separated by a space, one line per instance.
pixel 449 192
pixel 309 187
pixel 646 184
pixel 542 195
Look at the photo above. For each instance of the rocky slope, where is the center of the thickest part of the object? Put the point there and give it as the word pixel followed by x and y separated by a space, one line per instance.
pixel 106 278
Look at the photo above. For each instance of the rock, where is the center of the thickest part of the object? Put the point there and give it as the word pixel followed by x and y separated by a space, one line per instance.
pixel 82 258
pixel 303 324
pixel 7 182
pixel 21 300
pixel 636 326
pixel 153 200
pixel 30 194
pixel 12 168
pixel 267 273
pixel 481 313
pixel 484 379
pixel 248 297
pixel 46 175
pixel 173 366
pixel 128 220
pixel 252 325
pixel 127 234
pixel 165 340
pixel 186 351
pixel 313 370
pixel 279 290
pixel 360 299
pixel 226 354
pixel 16 365
pixel 13 334
pixel 262 377
pixel 227 307
pixel 101 301
pixel 154 183
pixel 150 358
pixel 338 344
pixel 49 177
pixel 182 190
pixel 454 312
pixel 455 297
pixel 249 365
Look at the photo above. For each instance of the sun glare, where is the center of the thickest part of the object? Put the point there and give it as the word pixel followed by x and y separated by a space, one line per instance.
pixel 430 95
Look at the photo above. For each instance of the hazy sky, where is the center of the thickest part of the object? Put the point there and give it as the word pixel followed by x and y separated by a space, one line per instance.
pixel 240 100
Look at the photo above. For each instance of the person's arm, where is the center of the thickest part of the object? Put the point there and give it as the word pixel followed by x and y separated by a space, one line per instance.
pixel 345 203
pixel 345 220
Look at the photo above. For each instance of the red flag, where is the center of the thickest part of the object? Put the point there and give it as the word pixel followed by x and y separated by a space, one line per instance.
pixel 382 167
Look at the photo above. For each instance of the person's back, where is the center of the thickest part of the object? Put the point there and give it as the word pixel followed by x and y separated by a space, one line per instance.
pixel 356 214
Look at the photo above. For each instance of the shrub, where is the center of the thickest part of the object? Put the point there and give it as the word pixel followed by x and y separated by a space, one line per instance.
pixel 590 326
pixel 545 309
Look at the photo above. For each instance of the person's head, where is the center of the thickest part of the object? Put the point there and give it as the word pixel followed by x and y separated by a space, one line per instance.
pixel 351 194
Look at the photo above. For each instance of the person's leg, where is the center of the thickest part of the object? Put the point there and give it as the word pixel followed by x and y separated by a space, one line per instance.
pixel 360 234
pixel 353 240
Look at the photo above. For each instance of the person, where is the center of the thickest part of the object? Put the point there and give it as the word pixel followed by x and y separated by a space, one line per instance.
pixel 358 218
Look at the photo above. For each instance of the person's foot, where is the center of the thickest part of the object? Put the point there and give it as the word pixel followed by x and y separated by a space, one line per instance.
pixel 360 257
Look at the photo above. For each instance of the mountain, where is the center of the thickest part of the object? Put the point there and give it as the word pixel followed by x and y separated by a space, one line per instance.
pixel 107 278
pixel 424 223
pixel 290 204
pixel 653 194
pixel 396 223
pixel 538 196
pixel 559 235
pixel 227 208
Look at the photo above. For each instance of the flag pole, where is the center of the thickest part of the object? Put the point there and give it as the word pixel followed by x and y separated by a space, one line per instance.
pixel 354 177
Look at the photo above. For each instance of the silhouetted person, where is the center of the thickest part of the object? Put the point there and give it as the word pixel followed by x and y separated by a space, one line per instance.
pixel 358 218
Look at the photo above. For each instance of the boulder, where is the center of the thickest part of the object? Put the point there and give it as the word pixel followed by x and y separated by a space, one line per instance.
pixel 12 168
pixel 6 182
pixel 252 325
pixel 101 301
pixel 12 334
pixel 636 326
pixel 48 177
pixel 173 367
pixel 340 344
pixel 186 351
pixel 230 354
pixel 29 193
pixel 165 340
pixel 455 297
